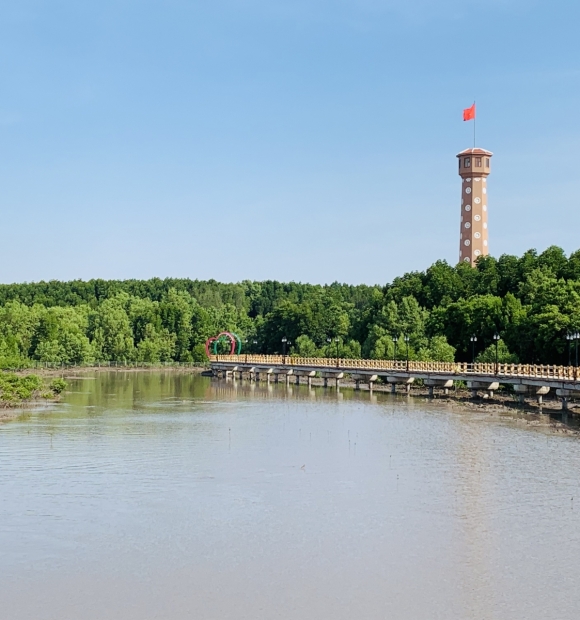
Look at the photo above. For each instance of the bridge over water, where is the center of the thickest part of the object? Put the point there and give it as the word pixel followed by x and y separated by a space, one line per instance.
pixel 526 379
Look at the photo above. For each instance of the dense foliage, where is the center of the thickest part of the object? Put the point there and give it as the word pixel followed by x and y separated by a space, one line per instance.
pixel 15 389
pixel 532 301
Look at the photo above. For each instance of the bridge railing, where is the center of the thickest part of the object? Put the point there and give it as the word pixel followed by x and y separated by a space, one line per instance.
pixel 565 373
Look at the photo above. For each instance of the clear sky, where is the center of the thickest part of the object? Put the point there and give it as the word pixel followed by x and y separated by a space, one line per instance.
pixel 307 140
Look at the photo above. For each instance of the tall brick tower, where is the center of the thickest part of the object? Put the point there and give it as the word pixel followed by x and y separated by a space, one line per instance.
pixel 474 168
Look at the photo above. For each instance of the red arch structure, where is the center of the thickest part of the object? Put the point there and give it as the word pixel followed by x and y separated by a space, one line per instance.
pixel 232 338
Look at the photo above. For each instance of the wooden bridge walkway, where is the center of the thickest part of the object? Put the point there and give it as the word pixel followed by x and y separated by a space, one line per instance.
pixel 526 379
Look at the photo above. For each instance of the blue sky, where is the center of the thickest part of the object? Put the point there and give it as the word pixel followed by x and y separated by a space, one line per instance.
pixel 306 140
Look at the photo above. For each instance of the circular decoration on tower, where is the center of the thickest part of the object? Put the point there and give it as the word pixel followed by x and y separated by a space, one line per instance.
pixel 477 217
pixel 477 252
pixel 485 207
pixel 468 190
pixel 467 242
pixel 467 225
pixel 468 207
pixel 485 242
pixel 478 179
pixel 477 200
pixel 485 224
pixel 466 259
pixel 485 190
pixel 477 235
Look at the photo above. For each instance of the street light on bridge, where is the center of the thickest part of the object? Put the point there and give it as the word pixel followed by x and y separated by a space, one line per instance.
pixel 337 340
pixel 569 338
pixel 576 338
pixel 496 338
pixel 395 340
pixel 407 343
pixel 473 341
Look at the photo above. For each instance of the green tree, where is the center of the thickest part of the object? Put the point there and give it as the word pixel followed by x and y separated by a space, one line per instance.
pixel 110 330
pixel 503 354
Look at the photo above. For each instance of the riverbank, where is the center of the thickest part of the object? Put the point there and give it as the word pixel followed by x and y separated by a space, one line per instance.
pixel 502 402
pixel 70 372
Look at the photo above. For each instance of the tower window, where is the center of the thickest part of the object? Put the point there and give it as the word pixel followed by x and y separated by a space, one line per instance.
pixel 460 163
pixel 467 162
pixel 478 161
pixel 487 162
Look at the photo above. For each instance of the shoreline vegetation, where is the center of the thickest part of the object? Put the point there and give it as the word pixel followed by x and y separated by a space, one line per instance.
pixel 445 313
pixel 459 397
pixel 19 390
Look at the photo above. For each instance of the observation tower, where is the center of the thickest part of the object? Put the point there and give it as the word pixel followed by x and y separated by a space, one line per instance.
pixel 474 168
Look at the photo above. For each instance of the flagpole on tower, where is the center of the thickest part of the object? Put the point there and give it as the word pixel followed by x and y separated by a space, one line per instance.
pixel 474 126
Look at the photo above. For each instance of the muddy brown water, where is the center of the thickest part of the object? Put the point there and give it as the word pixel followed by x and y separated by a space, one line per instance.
pixel 171 496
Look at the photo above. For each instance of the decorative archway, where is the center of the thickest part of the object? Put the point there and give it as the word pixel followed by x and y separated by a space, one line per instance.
pixel 235 343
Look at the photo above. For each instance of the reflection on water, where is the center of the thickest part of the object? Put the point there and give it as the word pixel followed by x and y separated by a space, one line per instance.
pixel 166 495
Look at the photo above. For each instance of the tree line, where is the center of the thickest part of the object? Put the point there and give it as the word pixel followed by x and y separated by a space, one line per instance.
pixel 532 302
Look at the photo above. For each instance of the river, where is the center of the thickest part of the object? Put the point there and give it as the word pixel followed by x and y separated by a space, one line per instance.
pixel 171 496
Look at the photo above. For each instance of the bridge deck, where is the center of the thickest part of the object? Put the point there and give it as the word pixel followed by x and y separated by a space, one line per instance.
pixel 533 375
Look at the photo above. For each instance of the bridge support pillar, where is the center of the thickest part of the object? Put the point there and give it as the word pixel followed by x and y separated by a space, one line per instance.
pixel 371 384
pixel 406 380
pixel 304 373
pixel 442 383
pixel 521 391
pixel 490 386
pixel 359 378
pixel 564 395
pixel 336 375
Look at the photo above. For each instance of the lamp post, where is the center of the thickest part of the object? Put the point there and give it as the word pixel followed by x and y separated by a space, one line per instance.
pixel 569 339
pixel 407 343
pixel 576 337
pixel 496 339
pixel 473 341
pixel 337 340
pixel 284 342
pixel 246 347
pixel 395 340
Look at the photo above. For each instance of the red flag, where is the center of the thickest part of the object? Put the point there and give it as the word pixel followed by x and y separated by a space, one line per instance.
pixel 469 113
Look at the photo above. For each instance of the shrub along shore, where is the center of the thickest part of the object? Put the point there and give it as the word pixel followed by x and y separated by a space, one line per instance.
pixel 17 390
pixel 532 302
